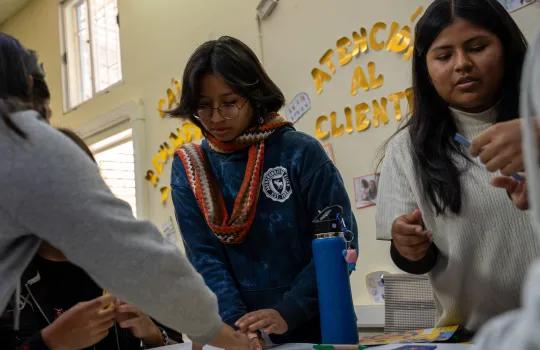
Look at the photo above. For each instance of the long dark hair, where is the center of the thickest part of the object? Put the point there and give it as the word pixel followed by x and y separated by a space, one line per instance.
pixel 78 141
pixel 238 65
pixel 15 89
pixel 431 126
pixel 40 90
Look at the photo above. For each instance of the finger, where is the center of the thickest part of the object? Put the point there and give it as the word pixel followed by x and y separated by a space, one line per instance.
pixel 488 153
pixel 403 228
pixel 96 304
pixel 414 218
pixel 103 314
pixel 103 326
pixel 411 241
pixel 252 335
pixel 504 182
pixel 515 166
pixel 243 318
pixel 108 303
pixel 415 253
pixel 125 308
pixel 479 142
pixel 100 336
pixel 270 329
pixel 132 322
pixel 265 322
pixel 523 200
pixel 255 344
pixel 248 320
pixel 498 162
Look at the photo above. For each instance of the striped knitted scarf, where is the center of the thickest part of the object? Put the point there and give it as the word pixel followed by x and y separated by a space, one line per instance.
pixel 229 228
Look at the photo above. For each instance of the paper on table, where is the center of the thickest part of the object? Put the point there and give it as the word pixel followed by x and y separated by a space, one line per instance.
pixel 419 336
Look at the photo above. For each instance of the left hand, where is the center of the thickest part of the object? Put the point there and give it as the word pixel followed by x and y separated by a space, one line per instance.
pixel 267 320
pixel 140 325
pixel 499 147
pixel 255 342
pixel 517 190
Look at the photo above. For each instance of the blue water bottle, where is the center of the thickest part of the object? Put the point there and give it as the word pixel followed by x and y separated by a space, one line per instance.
pixel 338 320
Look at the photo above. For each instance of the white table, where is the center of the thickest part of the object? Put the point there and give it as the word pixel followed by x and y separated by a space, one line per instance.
pixel 187 346
pixel 439 346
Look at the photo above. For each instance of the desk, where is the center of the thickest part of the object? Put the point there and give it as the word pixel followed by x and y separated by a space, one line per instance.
pixel 187 346
pixel 439 346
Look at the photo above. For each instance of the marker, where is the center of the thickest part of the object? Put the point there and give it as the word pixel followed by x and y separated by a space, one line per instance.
pixel 462 140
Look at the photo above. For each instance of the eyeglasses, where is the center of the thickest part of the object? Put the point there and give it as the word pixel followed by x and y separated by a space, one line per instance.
pixel 226 111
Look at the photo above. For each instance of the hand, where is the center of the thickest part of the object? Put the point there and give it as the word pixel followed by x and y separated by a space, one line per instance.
pixel 228 339
pixel 499 147
pixel 82 326
pixel 410 238
pixel 140 325
pixel 268 320
pixel 517 190
pixel 255 342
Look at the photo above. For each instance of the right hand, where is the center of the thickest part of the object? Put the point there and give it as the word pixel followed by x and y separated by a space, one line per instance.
pixel 499 147
pixel 229 339
pixel 82 326
pixel 410 238
pixel 517 190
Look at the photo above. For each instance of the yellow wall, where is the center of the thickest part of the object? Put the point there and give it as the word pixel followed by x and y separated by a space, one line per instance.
pixel 157 37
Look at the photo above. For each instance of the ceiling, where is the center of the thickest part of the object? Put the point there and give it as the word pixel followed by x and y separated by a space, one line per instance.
pixel 10 7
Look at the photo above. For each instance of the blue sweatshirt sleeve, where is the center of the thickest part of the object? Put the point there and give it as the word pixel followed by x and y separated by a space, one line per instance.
pixel 321 186
pixel 203 249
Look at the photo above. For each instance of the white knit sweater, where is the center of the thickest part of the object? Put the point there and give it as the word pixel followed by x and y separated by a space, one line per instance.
pixel 484 252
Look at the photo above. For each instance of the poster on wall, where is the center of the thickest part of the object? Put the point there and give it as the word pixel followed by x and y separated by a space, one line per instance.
pixel 365 190
pixel 513 5
pixel 300 104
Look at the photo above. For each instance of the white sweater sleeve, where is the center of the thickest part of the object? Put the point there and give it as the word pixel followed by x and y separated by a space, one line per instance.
pixel 62 199
pixel 516 330
pixel 395 196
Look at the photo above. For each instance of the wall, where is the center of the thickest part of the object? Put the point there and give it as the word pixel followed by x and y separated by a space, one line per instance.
pixel 158 35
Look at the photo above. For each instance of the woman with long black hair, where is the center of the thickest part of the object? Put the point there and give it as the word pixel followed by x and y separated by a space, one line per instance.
pixel 436 203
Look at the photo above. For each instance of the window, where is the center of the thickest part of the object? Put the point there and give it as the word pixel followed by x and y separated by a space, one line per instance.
pixel 115 158
pixel 91 56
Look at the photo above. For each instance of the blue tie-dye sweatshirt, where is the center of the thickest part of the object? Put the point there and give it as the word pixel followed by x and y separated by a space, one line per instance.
pixel 273 267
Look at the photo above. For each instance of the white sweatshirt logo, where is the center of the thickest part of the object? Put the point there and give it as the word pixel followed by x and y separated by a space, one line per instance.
pixel 276 184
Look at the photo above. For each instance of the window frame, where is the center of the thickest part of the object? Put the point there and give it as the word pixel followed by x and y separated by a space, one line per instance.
pixel 71 74
pixel 129 115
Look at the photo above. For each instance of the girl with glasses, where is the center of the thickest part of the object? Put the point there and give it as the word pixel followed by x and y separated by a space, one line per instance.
pixel 245 198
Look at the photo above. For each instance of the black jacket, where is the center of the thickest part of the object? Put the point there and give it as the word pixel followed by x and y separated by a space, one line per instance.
pixel 49 288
